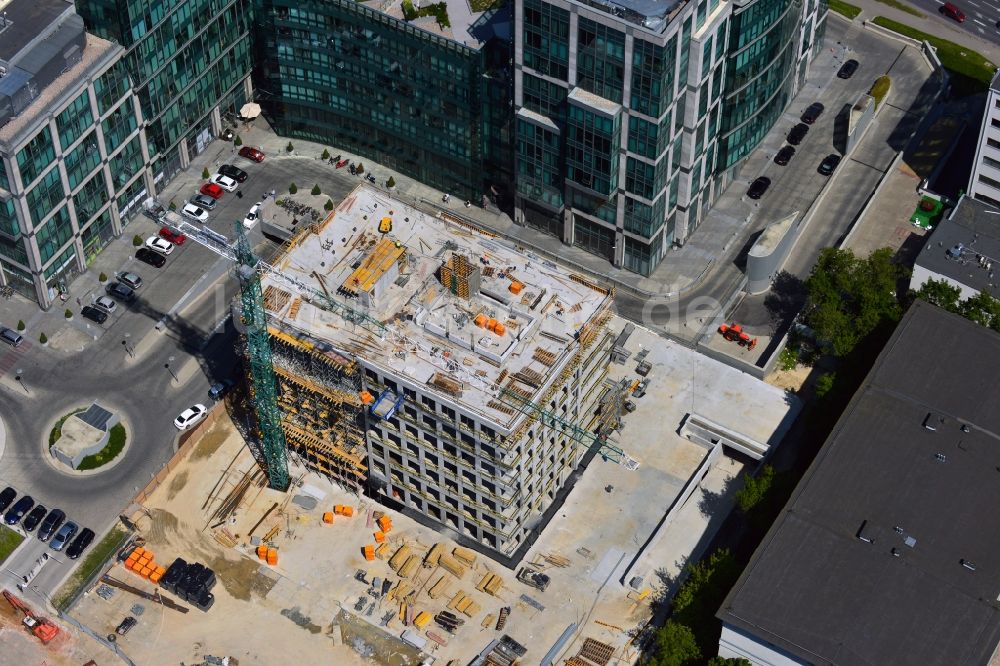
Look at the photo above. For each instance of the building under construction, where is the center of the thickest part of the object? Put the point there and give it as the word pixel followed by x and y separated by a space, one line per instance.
pixel 467 381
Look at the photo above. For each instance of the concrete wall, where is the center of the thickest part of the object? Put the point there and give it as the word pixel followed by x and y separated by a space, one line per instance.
pixel 768 254
pixel 860 116
pixel 736 644
pixel 921 275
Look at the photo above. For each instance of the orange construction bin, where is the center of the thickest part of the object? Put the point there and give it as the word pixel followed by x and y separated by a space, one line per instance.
pixel 348 511
pixel 481 320
pixel 272 556
pixel 385 523
pixel 262 551
pixel 379 537
pixel 369 552
pixel 145 571
pixel 499 329
pixel 155 577
pixel 516 287
pixel 491 324
pixel 328 517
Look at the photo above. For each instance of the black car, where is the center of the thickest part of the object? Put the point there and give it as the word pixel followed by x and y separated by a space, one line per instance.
pixel 80 543
pixel 784 155
pixel 6 497
pixel 828 164
pixel 797 133
pixel 121 291
pixel 812 112
pixel 34 517
pixel 237 174
pixel 219 390
pixel 155 259
pixel 51 524
pixel 16 512
pixel 125 626
pixel 758 187
pixel 848 68
pixel 94 314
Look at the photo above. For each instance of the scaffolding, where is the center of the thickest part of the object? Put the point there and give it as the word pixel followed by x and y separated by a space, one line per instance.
pixel 460 276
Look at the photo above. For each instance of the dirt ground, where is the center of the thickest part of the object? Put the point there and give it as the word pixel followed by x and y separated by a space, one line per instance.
pixel 70 647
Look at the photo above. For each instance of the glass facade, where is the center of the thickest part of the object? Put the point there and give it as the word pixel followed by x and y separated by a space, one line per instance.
pixel 592 150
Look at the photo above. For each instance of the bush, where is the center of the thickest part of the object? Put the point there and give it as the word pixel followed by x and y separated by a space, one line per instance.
pixel 289 148
pixel 328 206
pixel 205 174
pixel 69 313
pixel 788 358
pixel 237 141
pixel 438 10
pixel 20 325
pixel 391 183
pixel 754 489
pixel 824 383
pixel 845 9
pixel 136 240
pixel 326 154
pixel 44 339
pixel 880 89
pixel 172 205
pixel 316 191
pixel 360 168
pixel 103 277
pixel 293 188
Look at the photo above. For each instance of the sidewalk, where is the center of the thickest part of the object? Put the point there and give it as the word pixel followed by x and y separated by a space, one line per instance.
pixel 931 24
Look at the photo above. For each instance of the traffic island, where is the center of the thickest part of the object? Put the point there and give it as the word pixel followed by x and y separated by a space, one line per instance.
pixel 88 439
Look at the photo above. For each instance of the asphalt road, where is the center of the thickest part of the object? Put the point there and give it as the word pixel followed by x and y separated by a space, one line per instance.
pixel 981 16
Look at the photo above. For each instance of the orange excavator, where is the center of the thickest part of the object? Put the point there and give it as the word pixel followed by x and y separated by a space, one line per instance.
pixel 734 333
pixel 44 630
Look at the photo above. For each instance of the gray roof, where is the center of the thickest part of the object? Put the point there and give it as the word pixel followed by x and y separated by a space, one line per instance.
pixel 27 20
pixel 975 226
pixel 816 590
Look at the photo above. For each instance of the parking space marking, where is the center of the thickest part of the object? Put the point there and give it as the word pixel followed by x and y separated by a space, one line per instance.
pixel 980 23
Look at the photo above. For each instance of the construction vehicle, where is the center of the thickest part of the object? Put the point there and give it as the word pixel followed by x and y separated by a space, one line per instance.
pixel 735 333
pixel 43 630
pixel 534 578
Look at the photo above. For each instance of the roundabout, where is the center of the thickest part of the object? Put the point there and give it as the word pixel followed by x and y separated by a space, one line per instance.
pixel 87 440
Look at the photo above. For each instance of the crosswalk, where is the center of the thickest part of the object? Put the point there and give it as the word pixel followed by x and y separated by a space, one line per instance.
pixel 10 359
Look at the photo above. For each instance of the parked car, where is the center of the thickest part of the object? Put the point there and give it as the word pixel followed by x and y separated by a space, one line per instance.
pixel 812 113
pixel 848 68
pixel 120 291
pixel 829 163
pixel 80 543
pixel 147 256
pixel 204 201
pixel 758 187
pixel 192 212
pixel 252 154
pixel 11 337
pixel 252 216
pixel 34 517
pixel 126 625
pixel 63 536
pixel 130 280
pixel 785 155
pixel 797 133
pixel 175 237
pixel 16 512
pixel 106 304
pixel 6 497
pixel 952 11
pixel 219 390
pixel 237 174
pixel 225 182
pixel 51 524
pixel 190 417
pixel 212 190
pixel 93 314
pixel 160 245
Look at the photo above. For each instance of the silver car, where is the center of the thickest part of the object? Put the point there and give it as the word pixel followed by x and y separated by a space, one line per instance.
pixel 11 337
pixel 203 201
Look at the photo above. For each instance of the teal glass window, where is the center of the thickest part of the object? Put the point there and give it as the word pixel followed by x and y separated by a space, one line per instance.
pixel 652 87
pixel 67 255
pixel 54 234
pixel 538 164
pixel 546 39
pixel 604 209
pixel 127 163
pixel 46 194
pixel 593 237
pixel 544 97
pixel 8 218
pixel 642 257
pixel 702 13
pixel 91 197
pixel 96 236
pixel 118 126
pixel 592 142
pixel 14 249
pixel 74 120
pixel 82 160
pixel 36 156
pixel 600 60
pixel 111 86
pixel 643 219
pixel 642 137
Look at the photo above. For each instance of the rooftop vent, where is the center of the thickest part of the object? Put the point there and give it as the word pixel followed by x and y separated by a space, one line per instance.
pixel 910 541
pixel 967 564
pixel 862 535
pixel 895 552
pixel 955 251
pixel 940 457
pixel 966 428
pixel 932 421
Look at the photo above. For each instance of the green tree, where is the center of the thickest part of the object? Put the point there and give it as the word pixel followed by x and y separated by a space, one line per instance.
pixel 755 489
pixel 136 240
pixel 940 293
pixel 289 148
pixel 360 168
pixel 982 309
pixel 69 313
pixel 731 661
pixel 237 141
pixel 293 188
pixel 849 297
pixel 825 383
pixel 328 206
pixel 675 646
pixel 326 154
pixel 44 339
pixel 103 277
pixel 205 173
pixel 701 594
pixel 172 205
pixel 315 190
pixel 20 324
pixel 391 183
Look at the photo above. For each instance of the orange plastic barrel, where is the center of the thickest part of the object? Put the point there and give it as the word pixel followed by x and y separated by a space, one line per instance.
pixel 328 517
pixel 272 556
pixel 262 551
pixel 348 511
pixel 499 329
pixel 481 320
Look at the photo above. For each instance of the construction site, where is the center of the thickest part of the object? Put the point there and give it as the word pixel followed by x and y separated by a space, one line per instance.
pixel 453 376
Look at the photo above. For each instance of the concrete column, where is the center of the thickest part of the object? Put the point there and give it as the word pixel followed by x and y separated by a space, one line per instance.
pixel 182 152
pixel 216 120
pixel 574 21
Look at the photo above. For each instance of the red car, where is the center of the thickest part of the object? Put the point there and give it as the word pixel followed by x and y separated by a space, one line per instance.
pixel 212 190
pixel 174 237
pixel 251 154
pixel 954 12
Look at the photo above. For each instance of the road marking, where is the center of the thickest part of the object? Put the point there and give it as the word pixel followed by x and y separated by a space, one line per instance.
pixel 979 22
pixel 974 4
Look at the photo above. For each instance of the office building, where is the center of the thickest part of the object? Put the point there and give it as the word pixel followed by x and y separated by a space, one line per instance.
pixel 467 383
pixel 885 552
pixel 632 116
pixel 190 62
pixel 72 152
pixel 963 250
pixel 426 96
pixel 984 182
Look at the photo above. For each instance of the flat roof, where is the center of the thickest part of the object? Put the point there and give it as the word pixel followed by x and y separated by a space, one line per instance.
pixel 25 21
pixel 418 275
pixel 954 247
pixel 654 15
pixel 865 563
pixel 468 27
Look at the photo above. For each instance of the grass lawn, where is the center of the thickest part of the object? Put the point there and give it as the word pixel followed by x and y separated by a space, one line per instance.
pixel 98 554
pixel 116 442
pixel 903 7
pixel 9 540
pixel 57 429
pixel 970 72
pixel 845 9
pixel 483 5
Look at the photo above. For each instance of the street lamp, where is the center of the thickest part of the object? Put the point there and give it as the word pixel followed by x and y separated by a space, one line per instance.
pixel 167 367
pixel 20 381
pixel 128 349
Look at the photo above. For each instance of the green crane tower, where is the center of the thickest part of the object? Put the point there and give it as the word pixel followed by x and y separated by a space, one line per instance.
pixel 263 386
